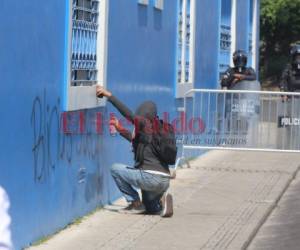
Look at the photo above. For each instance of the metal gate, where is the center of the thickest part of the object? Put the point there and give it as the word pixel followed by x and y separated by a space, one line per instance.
pixel 241 120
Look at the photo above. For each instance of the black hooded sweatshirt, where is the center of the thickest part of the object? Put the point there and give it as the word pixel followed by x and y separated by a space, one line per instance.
pixel 145 114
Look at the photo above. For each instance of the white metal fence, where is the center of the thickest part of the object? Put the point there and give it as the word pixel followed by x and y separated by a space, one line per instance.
pixel 241 120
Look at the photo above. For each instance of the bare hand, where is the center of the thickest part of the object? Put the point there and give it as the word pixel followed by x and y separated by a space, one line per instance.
pixel 239 77
pixel 116 123
pixel 101 91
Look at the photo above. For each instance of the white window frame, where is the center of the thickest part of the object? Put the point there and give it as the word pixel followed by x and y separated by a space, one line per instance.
pixel 84 97
pixel 159 4
pixel 183 86
pixel 143 2
pixel 255 35
pixel 233 29
pixel 250 32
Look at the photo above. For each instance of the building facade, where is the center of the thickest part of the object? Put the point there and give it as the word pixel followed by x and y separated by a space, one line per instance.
pixel 56 148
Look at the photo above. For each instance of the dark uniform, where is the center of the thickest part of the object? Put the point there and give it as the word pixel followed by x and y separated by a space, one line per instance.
pixel 290 79
pixel 239 73
pixel 290 108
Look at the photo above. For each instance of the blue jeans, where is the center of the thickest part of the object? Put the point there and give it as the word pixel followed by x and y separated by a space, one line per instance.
pixel 152 185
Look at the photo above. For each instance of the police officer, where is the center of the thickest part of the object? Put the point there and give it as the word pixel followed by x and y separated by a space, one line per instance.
pixel 290 79
pixel 239 72
pixel 290 82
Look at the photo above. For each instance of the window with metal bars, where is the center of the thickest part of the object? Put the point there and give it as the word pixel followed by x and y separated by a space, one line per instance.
pixel 84 42
pixel 225 43
pixel 87 54
pixel 250 43
pixel 186 41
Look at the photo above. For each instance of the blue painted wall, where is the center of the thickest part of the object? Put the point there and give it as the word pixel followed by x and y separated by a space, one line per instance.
pixel 226 6
pixel 207 43
pixel 207 52
pixel 53 178
pixel 225 54
pixel 242 24
pixel 148 36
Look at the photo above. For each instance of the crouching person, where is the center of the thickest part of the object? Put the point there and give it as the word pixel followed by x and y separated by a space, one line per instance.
pixel 152 154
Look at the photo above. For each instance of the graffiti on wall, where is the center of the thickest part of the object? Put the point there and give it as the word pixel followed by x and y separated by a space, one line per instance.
pixel 53 143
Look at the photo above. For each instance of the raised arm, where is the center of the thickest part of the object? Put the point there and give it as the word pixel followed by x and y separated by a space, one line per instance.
pixel 121 107
pixel 250 75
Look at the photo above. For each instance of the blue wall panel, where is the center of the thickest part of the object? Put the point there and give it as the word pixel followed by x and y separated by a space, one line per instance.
pixel 226 6
pixel 207 43
pixel 242 25
pixel 148 36
pixel 53 178
pixel 225 44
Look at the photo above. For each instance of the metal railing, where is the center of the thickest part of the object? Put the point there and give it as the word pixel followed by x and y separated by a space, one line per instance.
pixel 243 120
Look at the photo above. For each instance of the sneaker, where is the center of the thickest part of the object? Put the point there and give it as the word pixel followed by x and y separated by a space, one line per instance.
pixel 167 205
pixel 135 207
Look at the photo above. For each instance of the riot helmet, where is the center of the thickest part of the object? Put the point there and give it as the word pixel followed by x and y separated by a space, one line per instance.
pixel 240 59
pixel 295 53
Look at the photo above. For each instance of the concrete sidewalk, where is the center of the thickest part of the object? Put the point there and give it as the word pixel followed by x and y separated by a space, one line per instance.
pixel 220 203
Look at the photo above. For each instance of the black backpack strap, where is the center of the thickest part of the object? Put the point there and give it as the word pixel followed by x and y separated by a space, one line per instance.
pixel 144 139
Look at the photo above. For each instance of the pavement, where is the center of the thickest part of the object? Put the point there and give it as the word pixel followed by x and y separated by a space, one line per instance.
pixel 282 229
pixel 221 202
